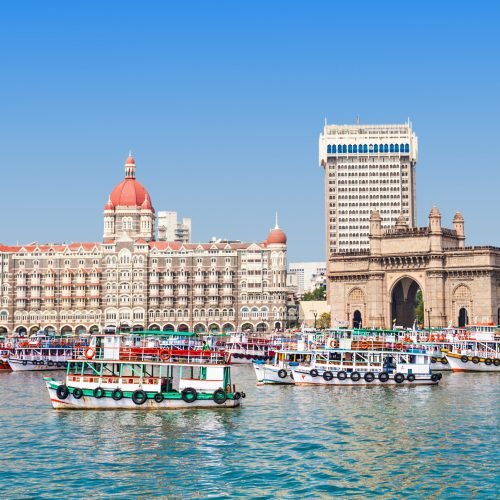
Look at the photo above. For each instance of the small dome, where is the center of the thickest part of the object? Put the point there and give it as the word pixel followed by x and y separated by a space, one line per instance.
pixel 130 161
pixel 146 204
pixel 109 205
pixel 435 212
pixel 458 217
pixel 276 237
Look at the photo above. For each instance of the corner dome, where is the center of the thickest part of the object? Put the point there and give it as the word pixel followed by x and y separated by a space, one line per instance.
pixel 458 217
pixel 277 237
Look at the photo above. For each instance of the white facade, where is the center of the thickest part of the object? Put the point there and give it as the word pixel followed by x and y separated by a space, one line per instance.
pixel 306 276
pixel 367 167
pixel 171 230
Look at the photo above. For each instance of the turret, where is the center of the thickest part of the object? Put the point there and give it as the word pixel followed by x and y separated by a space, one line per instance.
pixel 375 232
pixel 458 226
pixel 435 230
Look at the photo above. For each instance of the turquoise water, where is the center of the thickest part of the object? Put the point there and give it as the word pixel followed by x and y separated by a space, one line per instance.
pixel 285 442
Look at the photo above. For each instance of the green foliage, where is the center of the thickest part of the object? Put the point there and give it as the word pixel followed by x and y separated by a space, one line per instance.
pixel 318 294
pixel 324 321
pixel 419 308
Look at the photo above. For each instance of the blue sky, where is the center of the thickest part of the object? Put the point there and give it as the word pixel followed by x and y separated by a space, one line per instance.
pixel 222 104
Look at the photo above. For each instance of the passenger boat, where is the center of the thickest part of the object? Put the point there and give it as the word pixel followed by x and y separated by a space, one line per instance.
pixel 279 369
pixel 366 367
pixel 245 348
pixel 99 378
pixel 4 360
pixel 42 353
pixel 475 356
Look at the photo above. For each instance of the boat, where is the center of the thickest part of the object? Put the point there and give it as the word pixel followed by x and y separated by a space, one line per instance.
pixel 101 377
pixel 4 360
pixel 244 348
pixel 279 369
pixel 42 353
pixel 475 356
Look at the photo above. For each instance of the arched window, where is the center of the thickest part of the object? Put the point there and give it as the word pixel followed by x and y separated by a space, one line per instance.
pixel 386 148
pixel 391 148
pixel 402 148
pixel 328 149
pixel 407 148
pixel 355 148
pixel 371 148
pixel 349 148
pixel 334 149
pixel 344 149
pixel 365 148
pixel 375 148
pixel 396 148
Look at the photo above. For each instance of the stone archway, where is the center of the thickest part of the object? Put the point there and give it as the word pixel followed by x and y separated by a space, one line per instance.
pixel 357 319
pixel 404 302
pixel 463 317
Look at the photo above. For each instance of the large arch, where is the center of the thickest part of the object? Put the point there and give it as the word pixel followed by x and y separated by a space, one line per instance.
pixel 463 317
pixel 154 327
pixel 21 330
pixel 183 328
pixel 214 328
pixel 357 319
pixel 94 329
pixel 66 329
pixel 228 327
pixel 169 328
pixel 80 329
pixel 3 330
pixel 34 329
pixel 262 327
pixel 247 327
pixel 199 328
pixel 404 301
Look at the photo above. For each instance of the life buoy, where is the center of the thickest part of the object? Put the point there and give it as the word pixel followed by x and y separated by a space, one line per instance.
pixel 444 361
pixel 411 377
pixel 282 373
pixel 139 397
pixel 117 394
pixel 398 346
pixel 313 372
pixel 399 378
pixel 355 376
pixel 90 353
pixel 363 344
pixel 369 377
pixel 328 375
pixel 487 361
pixel 189 395
pixel 237 396
pixel 165 355
pixel 219 396
pixel 383 376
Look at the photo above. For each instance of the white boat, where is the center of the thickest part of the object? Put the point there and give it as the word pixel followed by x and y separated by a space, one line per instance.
pixel 245 348
pixel 367 367
pixel 101 379
pixel 474 360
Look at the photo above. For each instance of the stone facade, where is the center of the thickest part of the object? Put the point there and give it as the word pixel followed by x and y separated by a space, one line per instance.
pixel 377 287
pixel 132 280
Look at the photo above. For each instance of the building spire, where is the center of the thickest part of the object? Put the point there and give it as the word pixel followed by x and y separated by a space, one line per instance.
pixel 130 166
pixel 276 226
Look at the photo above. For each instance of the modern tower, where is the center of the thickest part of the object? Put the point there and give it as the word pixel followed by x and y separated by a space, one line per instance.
pixel 367 167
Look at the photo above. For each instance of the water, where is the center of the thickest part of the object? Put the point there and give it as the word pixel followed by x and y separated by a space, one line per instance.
pixel 285 442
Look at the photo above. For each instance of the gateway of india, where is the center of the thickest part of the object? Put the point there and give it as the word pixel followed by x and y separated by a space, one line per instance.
pixel 132 281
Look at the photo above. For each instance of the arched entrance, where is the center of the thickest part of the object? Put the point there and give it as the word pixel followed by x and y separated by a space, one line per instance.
pixel 183 328
pixel 463 317
pixel 404 302
pixel 21 330
pixel 199 328
pixel 247 327
pixel 154 327
pixel 80 330
pixel 66 329
pixel 277 325
pixel 261 327
pixel 137 328
pixel 214 328
pixel 3 330
pixel 34 329
pixel 357 319
pixel 94 329
pixel 169 328
pixel 228 327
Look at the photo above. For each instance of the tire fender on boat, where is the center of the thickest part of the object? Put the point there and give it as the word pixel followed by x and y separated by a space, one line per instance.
pixel 62 391
pixel 411 377
pixel 282 373
pixel 219 396
pixel 139 397
pixel 313 372
pixel 399 378
pixel 383 376
pixel 77 393
pixel 117 394
pixel 355 376
pixel 328 375
pixel 342 375
pixel 369 377
pixel 189 395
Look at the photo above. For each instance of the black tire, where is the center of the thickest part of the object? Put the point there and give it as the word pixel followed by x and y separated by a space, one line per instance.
pixel 464 359
pixel 342 375
pixel 355 376
pixel 281 374
pixel 98 392
pixel 313 372
pixel 62 392
pixel 41 362
pixel 158 397
pixel 139 397
pixel 117 394
pixel 433 359
pixel 399 378
pixel 65 364
pixel 237 395
pixel 77 393
pixel 487 361
pixel 434 377
pixel 25 362
pixel 59 364
pixel 189 395
pixel 475 360
pixel 243 395
pixel 219 396
pixel 328 375
pixel 496 361
pixel 369 377
pixel 50 363
pixel 444 361
pixel 383 376
pixel 410 377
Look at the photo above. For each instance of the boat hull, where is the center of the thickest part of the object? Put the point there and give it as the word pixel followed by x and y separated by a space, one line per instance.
pixel 302 377
pixel 23 365
pixel 458 364
pixel 126 403
pixel 269 374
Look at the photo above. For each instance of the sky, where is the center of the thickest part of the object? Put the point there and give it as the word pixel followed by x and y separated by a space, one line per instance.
pixel 222 104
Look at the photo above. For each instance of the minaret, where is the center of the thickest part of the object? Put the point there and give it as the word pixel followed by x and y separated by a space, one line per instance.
pixel 458 226
pixel 435 230
pixel 375 232
pixel 130 167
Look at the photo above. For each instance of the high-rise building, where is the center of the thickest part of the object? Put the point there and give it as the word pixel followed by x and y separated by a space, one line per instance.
pixel 132 281
pixel 306 276
pixel 169 229
pixel 367 167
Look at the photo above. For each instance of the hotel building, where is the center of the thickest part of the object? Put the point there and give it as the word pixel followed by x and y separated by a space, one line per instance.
pixel 367 167
pixel 130 280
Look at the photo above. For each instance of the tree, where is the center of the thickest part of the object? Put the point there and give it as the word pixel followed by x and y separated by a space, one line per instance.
pixel 318 294
pixel 324 321
pixel 419 308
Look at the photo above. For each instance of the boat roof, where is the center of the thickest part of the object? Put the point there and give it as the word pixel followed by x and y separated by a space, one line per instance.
pixel 149 363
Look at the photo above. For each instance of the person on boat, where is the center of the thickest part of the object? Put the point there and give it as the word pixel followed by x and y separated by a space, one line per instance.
pixel 205 347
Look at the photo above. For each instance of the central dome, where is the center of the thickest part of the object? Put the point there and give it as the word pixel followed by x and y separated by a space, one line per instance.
pixel 129 193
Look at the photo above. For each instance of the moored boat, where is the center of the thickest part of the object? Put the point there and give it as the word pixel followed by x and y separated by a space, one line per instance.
pixel 475 362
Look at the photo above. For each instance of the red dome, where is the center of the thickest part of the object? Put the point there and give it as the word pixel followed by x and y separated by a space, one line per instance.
pixel 276 237
pixel 129 193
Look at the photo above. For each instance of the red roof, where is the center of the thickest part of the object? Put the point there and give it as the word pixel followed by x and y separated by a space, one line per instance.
pixel 276 237
pixel 129 193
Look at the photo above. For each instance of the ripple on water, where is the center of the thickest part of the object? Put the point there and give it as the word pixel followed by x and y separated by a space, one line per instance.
pixel 286 442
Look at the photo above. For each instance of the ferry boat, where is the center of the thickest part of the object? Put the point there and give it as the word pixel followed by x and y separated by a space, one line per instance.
pixel 42 353
pixel 99 378
pixel 279 370
pixel 244 348
pixel 475 356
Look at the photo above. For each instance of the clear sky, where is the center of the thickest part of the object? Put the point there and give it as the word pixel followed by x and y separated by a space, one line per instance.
pixel 222 103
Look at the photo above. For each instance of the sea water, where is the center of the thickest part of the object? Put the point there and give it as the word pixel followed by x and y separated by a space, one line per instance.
pixel 284 442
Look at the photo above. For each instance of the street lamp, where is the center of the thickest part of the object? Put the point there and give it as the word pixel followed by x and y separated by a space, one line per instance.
pixel 428 311
pixel 315 314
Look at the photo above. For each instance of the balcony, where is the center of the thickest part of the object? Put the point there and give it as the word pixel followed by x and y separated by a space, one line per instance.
pixel 199 279
pixel 35 281
pixel 48 281
pixel 80 280
pixel 21 282
pixel 66 281
pixel 182 279
pixel 154 279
